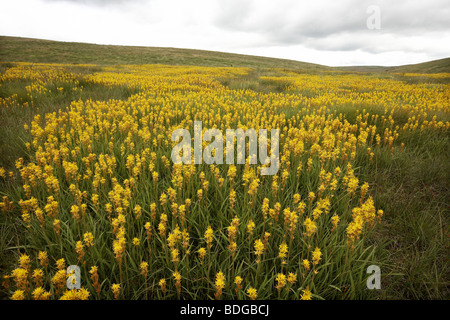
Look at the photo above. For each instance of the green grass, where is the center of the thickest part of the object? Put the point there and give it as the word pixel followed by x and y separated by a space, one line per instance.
pixel 412 187
pixel 35 50
pixel 435 66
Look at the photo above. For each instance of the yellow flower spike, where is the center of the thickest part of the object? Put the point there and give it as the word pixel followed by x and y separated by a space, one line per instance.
pixel 282 251
pixel 162 284
pixel 220 284
pixel 306 264
pixel 334 222
pixel 137 211
pixel 24 262
pixel 95 279
pixel 61 264
pixel 209 236
pixel 280 280
pixel 43 258
pixel 259 249
pixel 238 282
pixel 88 238
pixel 18 295
pixel 81 294
pixel 136 242
pixel 115 288
pixel 79 248
pixel 252 293
pixel 177 277
pixel 310 227
pixel 175 255
pixel 317 254
pixel 232 198
pixel 202 254
pixel 250 227
pixel 306 294
pixel 144 268
pixel 20 277
pixel 292 278
pixel 40 294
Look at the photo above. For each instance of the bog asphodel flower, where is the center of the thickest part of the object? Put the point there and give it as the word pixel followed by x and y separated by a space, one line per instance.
pixel 310 227
pixel 220 284
pixel 95 279
pixel 115 288
pixel 79 248
pixel 148 230
pixel 24 262
pixel 252 293
pixel 144 268
pixel 292 278
pixel 334 221
pixel 20 276
pixel 311 196
pixel 317 254
pixel 266 240
pixel 238 282
pixel 281 281
pixel 209 236
pixel 259 249
pixel 175 255
pixel 282 251
pixel 56 226
pixel 74 294
pixel 61 264
pixel 137 211
pixel 88 239
pixel 59 280
pixel 202 254
pixel 232 198
pixel 38 275
pixel 177 277
pixel 306 264
pixel 43 258
pixel 162 285
pixel 18 295
pixel 40 294
pixel 250 227
pixel 306 294
pixel 75 210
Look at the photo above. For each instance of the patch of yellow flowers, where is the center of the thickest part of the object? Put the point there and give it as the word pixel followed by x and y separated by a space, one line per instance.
pixel 101 192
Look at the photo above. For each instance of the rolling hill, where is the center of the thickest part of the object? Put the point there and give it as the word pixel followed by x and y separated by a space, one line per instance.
pixel 14 49
pixel 35 50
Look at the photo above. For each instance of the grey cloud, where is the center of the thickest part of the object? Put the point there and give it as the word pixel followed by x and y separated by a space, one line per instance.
pixel 418 16
pixel 303 20
pixel 336 26
pixel 233 13
pixel 413 28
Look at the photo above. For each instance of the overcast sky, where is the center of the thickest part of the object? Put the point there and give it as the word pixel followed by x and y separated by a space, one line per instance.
pixel 332 32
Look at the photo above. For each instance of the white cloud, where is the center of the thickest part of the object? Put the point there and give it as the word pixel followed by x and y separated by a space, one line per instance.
pixel 325 32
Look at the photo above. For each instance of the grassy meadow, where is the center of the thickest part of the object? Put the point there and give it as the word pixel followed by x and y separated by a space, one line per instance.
pixel 86 176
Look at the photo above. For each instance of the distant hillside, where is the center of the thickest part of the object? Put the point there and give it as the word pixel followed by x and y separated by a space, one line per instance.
pixel 35 50
pixel 435 66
